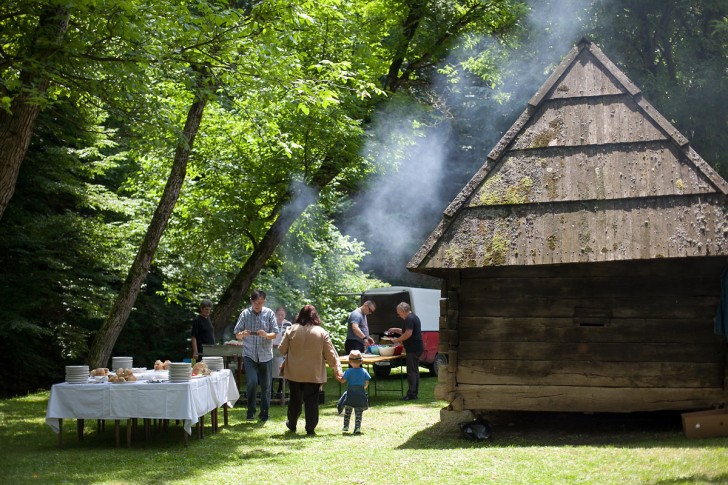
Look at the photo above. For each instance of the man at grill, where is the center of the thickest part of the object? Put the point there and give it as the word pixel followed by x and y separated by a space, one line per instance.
pixel 357 331
pixel 413 345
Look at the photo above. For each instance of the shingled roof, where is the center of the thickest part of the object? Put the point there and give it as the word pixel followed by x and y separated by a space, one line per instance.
pixel 589 172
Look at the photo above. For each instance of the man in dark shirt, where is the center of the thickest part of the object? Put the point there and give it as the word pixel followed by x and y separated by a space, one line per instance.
pixel 413 345
pixel 202 331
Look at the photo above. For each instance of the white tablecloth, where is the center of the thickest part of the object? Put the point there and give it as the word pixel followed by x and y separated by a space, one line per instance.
pixel 166 400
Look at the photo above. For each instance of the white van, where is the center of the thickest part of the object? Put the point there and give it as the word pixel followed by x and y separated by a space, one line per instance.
pixel 425 304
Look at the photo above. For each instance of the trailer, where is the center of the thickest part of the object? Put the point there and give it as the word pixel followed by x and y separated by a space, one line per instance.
pixel 425 303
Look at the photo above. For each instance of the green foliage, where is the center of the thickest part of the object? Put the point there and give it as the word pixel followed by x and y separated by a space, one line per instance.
pixel 59 258
pixel 318 265
pixel 675 52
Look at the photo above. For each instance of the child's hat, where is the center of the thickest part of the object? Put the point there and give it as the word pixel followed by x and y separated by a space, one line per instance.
pixel 354 355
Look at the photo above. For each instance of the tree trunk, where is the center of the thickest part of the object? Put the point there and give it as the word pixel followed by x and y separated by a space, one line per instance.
pixel 105 339
pixel 16 127
pixel 240 286
pixel 409 28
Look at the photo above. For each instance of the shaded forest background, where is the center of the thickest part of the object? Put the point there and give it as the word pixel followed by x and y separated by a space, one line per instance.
pixel 156 153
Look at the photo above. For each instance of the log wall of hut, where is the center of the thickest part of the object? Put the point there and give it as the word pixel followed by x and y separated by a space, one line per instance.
pixel 610 337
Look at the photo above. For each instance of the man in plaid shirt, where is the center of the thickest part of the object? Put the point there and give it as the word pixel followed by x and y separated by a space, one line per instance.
pixel 257 327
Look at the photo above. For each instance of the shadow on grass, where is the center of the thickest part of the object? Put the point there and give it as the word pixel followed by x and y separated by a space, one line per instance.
pixel 723 478
pixel 528 429
pixel 31 448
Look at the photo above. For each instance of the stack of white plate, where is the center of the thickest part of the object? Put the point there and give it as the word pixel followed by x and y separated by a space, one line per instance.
pixel 77 374
pixel 214 363
pixel 180 371
pixel 121 363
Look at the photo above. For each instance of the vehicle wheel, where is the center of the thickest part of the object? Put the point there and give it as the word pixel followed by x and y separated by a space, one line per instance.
pixel 439 360
pixel 382 370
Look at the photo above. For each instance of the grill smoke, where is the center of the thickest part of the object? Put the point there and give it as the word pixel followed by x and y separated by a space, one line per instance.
pixel 424 168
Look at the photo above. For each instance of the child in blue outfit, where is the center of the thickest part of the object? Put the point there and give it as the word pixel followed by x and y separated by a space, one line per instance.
pixel 355 396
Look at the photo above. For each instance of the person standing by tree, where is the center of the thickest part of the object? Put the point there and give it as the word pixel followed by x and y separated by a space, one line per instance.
pixel 203 332
pixel 357 332
pixel 257 327
pixel 307 347
pixel 413 345
pixel 283 325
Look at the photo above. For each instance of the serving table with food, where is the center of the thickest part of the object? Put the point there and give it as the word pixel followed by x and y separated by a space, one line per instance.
pixel 392 356
pixel 128 394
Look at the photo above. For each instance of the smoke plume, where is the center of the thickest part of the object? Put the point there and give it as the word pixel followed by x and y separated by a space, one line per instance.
pixel 423 169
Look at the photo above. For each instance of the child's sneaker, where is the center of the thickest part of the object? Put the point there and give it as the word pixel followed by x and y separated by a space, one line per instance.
pixel 345 429
pixel 357 431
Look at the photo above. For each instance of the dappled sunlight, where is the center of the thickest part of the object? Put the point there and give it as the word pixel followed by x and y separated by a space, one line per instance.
pixel 408 434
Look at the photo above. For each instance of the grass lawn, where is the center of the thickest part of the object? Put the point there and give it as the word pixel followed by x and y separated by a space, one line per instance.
pixel 402 442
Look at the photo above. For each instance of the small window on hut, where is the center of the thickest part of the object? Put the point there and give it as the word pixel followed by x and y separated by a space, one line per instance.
pixel 592 317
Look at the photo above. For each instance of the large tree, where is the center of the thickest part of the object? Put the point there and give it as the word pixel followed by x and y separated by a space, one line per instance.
pixel 26 81
pixel 211 34
pixel 418 34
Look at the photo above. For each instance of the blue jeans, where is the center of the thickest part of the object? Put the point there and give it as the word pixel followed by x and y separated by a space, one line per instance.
pixel 258 373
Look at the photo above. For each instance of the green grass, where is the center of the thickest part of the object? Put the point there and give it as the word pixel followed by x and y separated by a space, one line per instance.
pixel 402 442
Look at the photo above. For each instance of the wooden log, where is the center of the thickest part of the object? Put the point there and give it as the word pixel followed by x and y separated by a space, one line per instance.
pixel 441 391
pixel 585 399
pixel 458 403
pixel 590 373
pixel 543 329
pixel 628 306
pixel 589 352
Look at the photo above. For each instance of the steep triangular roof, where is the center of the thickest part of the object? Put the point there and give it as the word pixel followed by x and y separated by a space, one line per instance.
pixel 589 172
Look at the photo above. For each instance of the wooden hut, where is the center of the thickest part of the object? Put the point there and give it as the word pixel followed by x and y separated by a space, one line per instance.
pixel 581 265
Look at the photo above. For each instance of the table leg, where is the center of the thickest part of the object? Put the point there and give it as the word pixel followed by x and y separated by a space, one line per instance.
pixel 374 379
pixel 225 414
pixel 147 428
pixel 201 424
pixel 186 437
pixel 213 420
pixel 401 381
pixel 240 373
pixel 117 431
pixel 129 427
pixel 60 432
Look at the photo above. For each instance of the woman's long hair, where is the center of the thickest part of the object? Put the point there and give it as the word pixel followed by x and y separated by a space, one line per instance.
pixel 308 316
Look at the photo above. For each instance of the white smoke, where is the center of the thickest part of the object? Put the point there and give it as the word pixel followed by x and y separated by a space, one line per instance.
pixel 424 167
